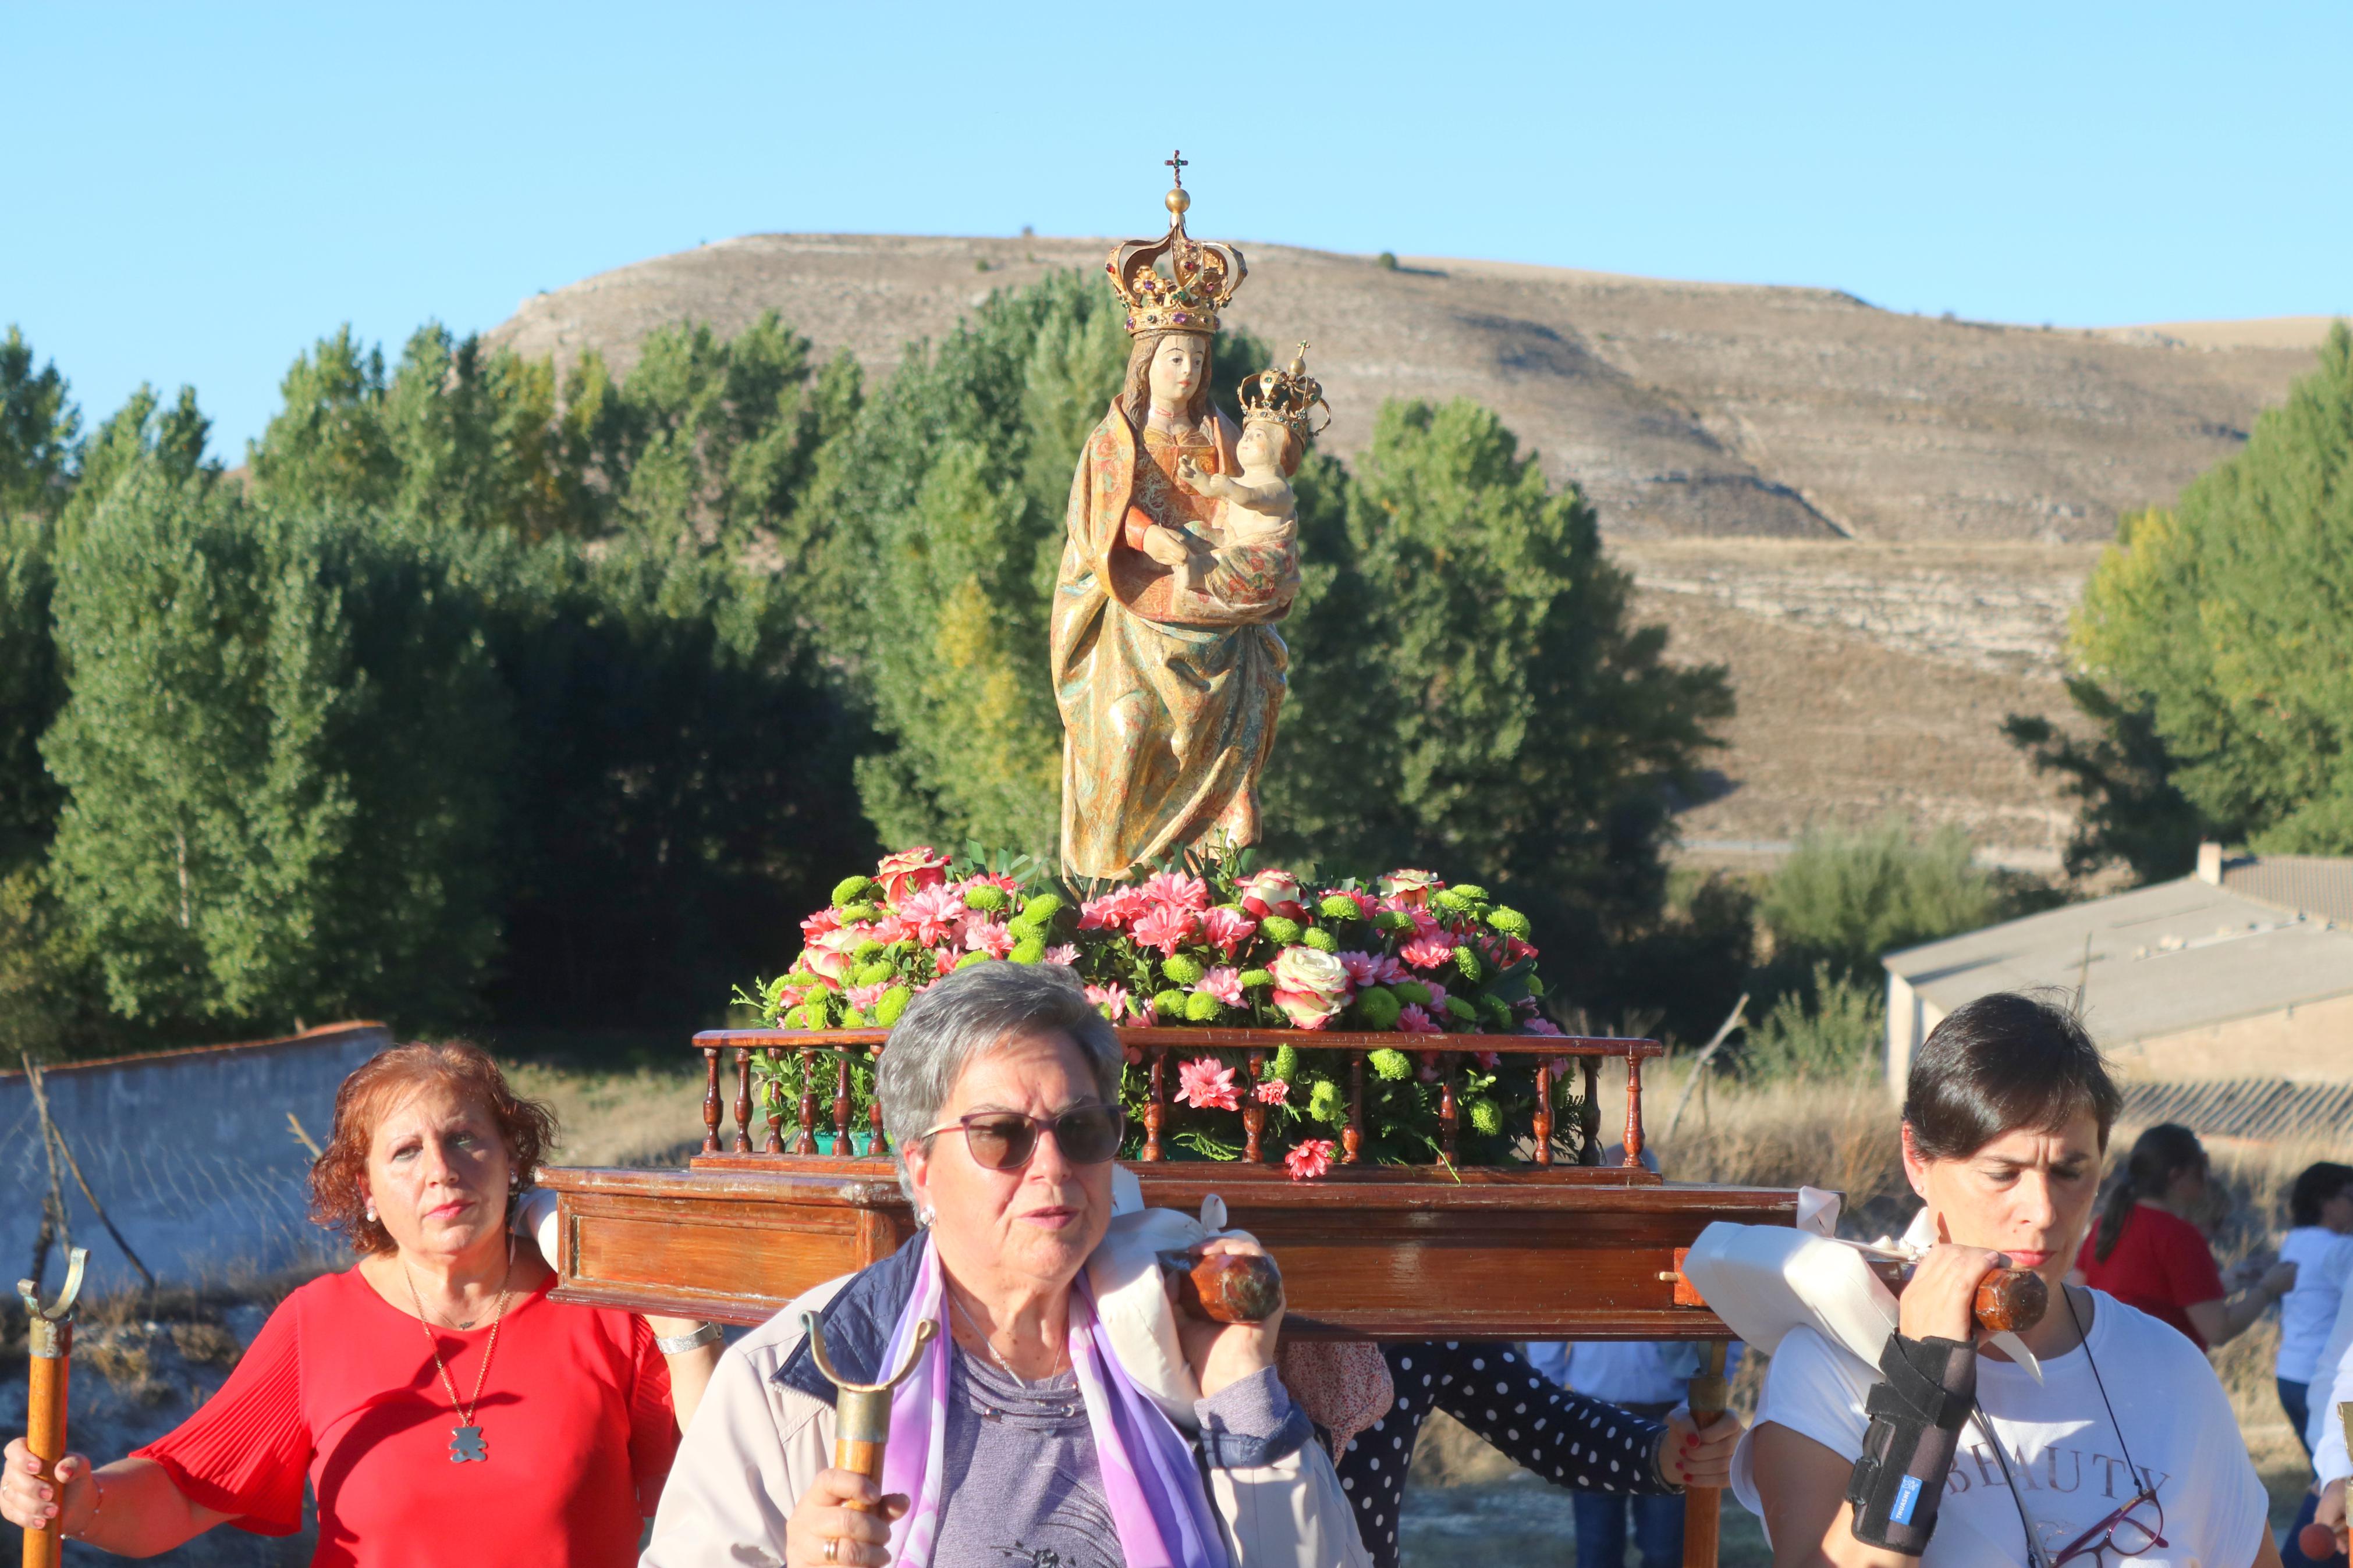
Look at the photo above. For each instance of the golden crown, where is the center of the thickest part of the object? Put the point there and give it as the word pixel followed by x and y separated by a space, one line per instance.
pixel 1287 396
pixel 1200 276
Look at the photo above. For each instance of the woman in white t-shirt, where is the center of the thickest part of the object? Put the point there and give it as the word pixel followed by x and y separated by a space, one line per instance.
pixel 2320 1244
pixel 2126 1450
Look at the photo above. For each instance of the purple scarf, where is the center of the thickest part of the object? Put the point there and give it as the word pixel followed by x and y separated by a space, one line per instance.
pixel 1158 1505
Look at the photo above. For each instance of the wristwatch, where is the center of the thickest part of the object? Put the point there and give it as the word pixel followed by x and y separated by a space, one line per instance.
pixel 679 1344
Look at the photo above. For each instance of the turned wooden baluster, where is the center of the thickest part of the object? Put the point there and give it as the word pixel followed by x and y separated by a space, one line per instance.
pixel 1351 1137
pixel 1588 1115
pixel 1544 1111
pixel 841 1109
pixel 711 1100
pixel 1253 1114
pixel 807 1143
pixel 878 1147
pixel 1448 1112
pixel 773 1090
pixel 742 1100
pixel 1633 1110
pixel 1155 1104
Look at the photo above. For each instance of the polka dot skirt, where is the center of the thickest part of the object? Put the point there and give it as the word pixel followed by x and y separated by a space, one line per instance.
pixel 1568 1439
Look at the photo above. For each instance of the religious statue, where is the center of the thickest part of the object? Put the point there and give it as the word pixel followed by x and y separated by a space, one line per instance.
pixel 1182 554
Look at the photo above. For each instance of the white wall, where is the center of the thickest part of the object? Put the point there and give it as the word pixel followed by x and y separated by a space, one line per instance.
pixel 189 1151
pixel 1909 1018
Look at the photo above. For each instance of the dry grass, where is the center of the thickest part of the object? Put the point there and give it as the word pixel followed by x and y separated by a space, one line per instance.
pixel 641 1116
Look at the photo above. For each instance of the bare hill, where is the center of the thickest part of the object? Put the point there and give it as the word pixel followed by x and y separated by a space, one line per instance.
pixel 1682 408
pixel 1877 522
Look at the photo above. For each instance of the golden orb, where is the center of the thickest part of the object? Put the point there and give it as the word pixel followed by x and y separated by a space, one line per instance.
pixel 1178 202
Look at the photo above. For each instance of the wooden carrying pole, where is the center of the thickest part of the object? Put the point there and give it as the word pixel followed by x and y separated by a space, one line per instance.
pixel 862 1411
pixel 1703 1506
pixel 50 1333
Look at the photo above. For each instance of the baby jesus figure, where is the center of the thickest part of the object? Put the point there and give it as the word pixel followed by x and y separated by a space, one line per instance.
pixel 1252 561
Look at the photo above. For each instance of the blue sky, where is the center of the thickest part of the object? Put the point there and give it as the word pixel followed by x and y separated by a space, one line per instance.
pixel 196 192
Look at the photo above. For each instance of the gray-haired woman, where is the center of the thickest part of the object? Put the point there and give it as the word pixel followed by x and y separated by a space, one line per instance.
pixel 1022 1438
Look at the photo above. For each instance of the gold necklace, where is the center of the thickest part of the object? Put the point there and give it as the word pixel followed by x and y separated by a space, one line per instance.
pixel 990 1346
pixel 466 1445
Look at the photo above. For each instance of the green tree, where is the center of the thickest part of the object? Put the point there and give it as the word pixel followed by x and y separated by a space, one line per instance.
pixel 2130 810
pixel 39 426
pixel 328 445
pixel 2224 626
pixel 140 431
pixel 1843 899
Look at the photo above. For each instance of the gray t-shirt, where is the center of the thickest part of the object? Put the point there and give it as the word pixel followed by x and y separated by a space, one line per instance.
pixel 1029 1493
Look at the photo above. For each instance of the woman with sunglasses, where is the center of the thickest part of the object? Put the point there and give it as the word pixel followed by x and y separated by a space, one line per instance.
pixel 2125 1449
pixel 1022 1438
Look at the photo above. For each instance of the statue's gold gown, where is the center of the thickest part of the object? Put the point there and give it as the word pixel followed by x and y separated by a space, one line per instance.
pixel 1166 722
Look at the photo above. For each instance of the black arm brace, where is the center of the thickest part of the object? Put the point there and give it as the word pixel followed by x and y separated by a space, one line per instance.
pixel 1917 1416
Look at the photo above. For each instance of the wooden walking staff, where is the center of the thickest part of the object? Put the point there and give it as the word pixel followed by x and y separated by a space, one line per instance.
pixel 51 1331
pixel 862 1411
pixel 1703 1506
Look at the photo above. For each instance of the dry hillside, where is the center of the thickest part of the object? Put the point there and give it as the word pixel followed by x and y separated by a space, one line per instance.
pixel 1877 520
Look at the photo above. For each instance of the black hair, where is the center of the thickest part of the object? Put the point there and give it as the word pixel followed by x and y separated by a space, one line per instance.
pixel 2314 1186
pixel 1999 1063
pixel 2158 1156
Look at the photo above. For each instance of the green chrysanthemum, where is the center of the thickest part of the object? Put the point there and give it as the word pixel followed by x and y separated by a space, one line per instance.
pixel 987 898
pixel 1379 1007
pixel 1250 977
pixel 1279 928
pixel 1041 908
pixel 1392 920
pixel 1469 892
pixel 867 951
pixel 852 914
pixel 853 1020
pixel 1486 1116
pixel 1201 1007
pixel 1511 922
pixel 1319 939
pixel 1325 1104
pixel 893 1002
pixel 1456 1007
pixel 1182 969
pixel 1467 964
pixel 1030 949
pixel 1338 907
pixel 793 1018
pixel 1413 993
pixel 801 979
pixel 1394 1066
pixel 849 891
pixel 1284 1064
pixel 1450 901
pixel 874 974
pixel 1169 1005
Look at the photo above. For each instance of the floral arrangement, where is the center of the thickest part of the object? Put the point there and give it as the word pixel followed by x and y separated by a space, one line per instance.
pixel 1204 942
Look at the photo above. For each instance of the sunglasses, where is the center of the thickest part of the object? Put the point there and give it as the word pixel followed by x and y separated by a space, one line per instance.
pixel 1004 1140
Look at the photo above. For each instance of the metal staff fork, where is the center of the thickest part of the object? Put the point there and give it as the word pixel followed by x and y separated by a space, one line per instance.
pixel 49 1330
pixel 862 1411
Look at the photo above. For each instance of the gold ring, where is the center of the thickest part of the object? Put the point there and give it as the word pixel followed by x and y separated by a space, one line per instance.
pixel 833 1549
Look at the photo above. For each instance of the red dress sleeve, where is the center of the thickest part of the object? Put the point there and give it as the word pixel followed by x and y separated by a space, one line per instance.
pixel 246 1450
pixel 653 1420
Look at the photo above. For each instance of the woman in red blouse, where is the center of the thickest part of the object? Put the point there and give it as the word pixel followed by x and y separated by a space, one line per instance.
pixel 440 1406
pixel 2144 1251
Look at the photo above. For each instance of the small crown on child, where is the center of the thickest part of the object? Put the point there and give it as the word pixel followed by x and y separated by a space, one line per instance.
pixel 1289 397
pixel 1201 277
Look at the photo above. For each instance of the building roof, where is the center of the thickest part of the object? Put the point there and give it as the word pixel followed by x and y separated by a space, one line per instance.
pixel 2179 956
pixel 2263 1109
pixel 2319 884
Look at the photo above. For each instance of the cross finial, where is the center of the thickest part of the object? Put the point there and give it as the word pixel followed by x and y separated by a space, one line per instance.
pixel 1176 161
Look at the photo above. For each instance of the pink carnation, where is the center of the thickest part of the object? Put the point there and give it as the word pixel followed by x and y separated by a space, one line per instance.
pixel 911 871
pixel 864 997
pixel 988 879
pixel 1111 911
pixel 1309 1159
pixel 1207 1083
pixel 1065 953
pixel 1167 928
pixel 1540 1027
pixel 1412 1020
pixel 1271 1091
pixel 1428 951
pixel 1224 982
pixel 931 915
pixel 1226 929
pixel 988 937
pixel 1175 888
pixel 1490 1060
pixel 1371 968
pixel 1112 999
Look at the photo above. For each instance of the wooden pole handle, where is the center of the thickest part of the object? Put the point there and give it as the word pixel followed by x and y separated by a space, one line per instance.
pixel 1703 1506
pixel 45 1437
pixel 1226 1287
pixel 859 1458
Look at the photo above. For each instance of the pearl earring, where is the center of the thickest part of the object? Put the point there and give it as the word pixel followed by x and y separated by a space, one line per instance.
pixel 370 1213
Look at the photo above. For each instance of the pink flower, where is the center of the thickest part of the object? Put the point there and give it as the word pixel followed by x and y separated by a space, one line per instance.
pixel 1175 888
pixel 1372 968
pixel 1437 995
pixel 1273 893
pixel 1309 1159
pixel 1559 1066
pixel 1224 982
pixel 1065 954
pixel 1411 888
pixel 891 929
pixel 1134 1054
pixel 911 871
pixel 1366 903
pixel 1207 1083
pixel 1424 922
pixel 1271 1091
pixel 1111 911
pixel 988 880
pixel 931 915
pixel 1428 950
pixel 1490 1060
pixel 1310 986
pixel 1167 928
pixel 1226 929
pixel 864 997
pixel 1112 999
pixel 1540 1027
pixel 817 925
pixel 944 960
pixel 988 937
pixel 1412 1020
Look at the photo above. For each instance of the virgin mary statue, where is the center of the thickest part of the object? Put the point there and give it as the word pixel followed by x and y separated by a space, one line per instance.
pixel 1168 698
